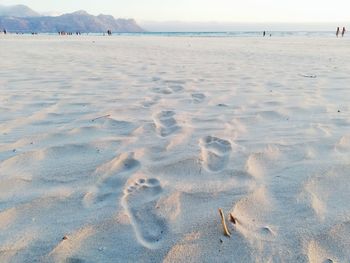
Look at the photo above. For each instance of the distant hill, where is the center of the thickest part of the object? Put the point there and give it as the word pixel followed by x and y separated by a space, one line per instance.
pixel 30 21
pixel 17 11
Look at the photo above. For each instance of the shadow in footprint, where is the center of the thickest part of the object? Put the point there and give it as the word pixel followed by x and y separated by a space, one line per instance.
pixel 113 176
pixel 198 97
pixel 166 123
pixel 215 153
pixel 149 102
pixel 176 88
pixel 140 203
pixel 162 90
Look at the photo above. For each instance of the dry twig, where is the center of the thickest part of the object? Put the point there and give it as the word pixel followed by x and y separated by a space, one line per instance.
pixel 223 221
pixel 105 116
pixel 233 219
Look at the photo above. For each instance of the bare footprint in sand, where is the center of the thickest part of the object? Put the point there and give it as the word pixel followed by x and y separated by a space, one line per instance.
pixel 140 203
pixel 168 89
pixel 112 177
pixel 163 90
pixel 198 97
pixel 166 123
pixel 149 102
pixel 215 153
pixel 176 88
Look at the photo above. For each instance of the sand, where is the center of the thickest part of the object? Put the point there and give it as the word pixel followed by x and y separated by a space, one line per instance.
pixel 123 149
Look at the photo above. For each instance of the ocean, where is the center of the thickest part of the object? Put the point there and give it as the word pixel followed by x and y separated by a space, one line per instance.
pixel 235 34
pixel 311 34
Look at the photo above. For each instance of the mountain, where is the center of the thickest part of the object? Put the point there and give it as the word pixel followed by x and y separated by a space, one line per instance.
pixel 78 21
pixel 17 11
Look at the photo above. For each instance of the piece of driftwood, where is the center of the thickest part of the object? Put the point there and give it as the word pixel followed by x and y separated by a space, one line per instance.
pixel 223 221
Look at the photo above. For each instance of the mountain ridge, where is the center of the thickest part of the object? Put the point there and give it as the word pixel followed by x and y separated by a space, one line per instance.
pixel 17 11
pixel 22 19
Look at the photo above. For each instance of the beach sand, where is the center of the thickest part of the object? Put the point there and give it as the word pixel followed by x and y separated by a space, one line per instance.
pixel 123 149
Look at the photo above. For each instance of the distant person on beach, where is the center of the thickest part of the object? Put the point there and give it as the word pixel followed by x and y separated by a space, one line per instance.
pixel 264 34
pixel 343 32
pixel 338 30
pixel 5 32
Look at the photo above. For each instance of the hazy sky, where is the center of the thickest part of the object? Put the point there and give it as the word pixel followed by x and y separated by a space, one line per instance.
pixel 203 10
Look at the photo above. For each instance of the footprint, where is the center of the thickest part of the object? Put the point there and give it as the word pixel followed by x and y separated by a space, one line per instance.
pixel 163 90
pixel 168 89
pixel 149 102
pixel 176 88
pixel 139 201
pixel 112 176
pixel 215 153
pixel 165 123
pixel 198 97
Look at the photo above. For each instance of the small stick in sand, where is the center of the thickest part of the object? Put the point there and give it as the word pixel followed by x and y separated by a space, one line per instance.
pixel 223 221
pixel 105 116
pixel 233 219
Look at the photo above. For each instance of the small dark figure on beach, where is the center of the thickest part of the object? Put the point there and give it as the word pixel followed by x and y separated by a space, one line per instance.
pixel 109 32
pixel 5 32
pixel 338 30
pixel 343 32
pixel 264 33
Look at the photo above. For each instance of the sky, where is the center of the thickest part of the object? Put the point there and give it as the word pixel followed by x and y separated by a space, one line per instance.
pixel 255 11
